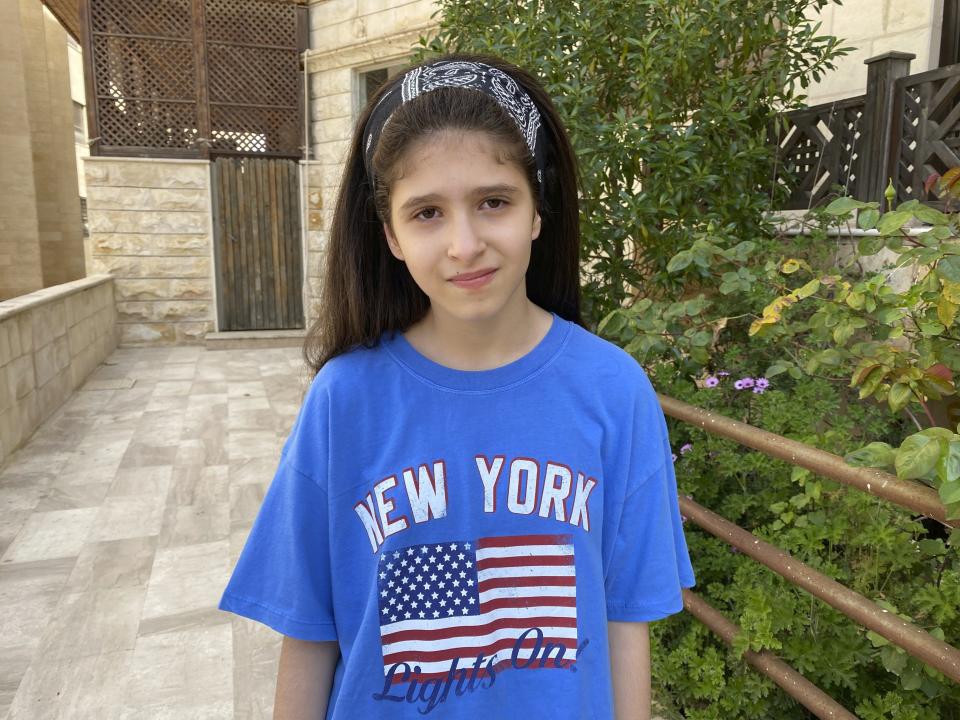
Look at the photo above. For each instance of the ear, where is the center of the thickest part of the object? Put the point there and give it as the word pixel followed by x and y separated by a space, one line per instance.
pixel 536 225
pixel 392 243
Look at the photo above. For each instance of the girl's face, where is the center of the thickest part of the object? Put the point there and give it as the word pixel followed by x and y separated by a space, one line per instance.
pixel 457 209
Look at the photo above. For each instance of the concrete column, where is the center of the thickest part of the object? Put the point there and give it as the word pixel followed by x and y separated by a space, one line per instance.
pixel 20 269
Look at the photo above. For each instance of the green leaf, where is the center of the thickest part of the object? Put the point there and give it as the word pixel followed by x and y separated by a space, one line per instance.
pixel 679 261
pixel 893 221
pixel 870 244
pixel 876 454
pixel 910 679
pixel 929 215
pixel 843 205
pixel 948 469
pixel 932 548
pixel 774 370
pixel 807 290
pixel 917 456
pixel 949 268
pixel 899 396
pixel 867 219
pixel 949 492
pixel 894 659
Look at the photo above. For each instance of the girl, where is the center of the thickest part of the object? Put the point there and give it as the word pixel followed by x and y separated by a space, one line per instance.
pixel 475 513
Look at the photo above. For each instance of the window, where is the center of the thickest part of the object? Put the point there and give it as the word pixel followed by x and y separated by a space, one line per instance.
pixel 372 80
pixel 83 217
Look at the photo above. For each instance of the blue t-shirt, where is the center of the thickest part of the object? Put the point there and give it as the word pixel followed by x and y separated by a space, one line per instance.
pixel 466 535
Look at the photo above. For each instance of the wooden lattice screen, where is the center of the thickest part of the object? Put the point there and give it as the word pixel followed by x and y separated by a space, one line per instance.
pixel 819 147
pixel 926 131
pixel 192 78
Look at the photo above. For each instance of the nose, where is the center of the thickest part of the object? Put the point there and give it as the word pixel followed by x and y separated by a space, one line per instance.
pixel 466 242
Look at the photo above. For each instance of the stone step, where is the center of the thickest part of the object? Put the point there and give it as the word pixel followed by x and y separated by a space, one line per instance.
pixel 240 339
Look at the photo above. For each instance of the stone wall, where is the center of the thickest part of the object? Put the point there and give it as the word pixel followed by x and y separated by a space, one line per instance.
pixel 347 37
pixel 150 228
pixel 874 27
pixel 50 341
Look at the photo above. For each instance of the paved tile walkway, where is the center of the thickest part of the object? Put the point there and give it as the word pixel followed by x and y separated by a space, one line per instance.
pixel 120 521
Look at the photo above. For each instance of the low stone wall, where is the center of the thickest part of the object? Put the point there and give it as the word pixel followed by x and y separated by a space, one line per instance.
pixel 50 342
pixel 151 229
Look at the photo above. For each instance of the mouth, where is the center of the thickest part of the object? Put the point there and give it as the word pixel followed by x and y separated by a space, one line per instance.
pixel 474 279
pixel 474 275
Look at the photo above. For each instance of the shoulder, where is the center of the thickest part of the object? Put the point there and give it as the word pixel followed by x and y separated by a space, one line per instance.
pixel 608 365
pixel 352 369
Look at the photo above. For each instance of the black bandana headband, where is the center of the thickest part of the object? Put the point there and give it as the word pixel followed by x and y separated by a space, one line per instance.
pixel 459 73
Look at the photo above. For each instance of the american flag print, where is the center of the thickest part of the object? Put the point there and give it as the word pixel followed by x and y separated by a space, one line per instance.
pixel 460 599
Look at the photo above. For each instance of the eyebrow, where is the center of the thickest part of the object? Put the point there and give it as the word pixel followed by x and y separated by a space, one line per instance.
pixel 503 188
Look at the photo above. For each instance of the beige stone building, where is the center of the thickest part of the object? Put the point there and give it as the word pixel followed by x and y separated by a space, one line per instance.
pixel 925 28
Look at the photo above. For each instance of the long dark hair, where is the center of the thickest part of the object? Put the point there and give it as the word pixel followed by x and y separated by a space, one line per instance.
pixel 366 291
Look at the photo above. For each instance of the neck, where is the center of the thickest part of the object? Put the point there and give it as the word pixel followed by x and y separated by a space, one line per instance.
pixel 480 344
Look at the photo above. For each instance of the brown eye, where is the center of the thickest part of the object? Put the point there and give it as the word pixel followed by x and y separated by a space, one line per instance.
pixel 426 213
pixel 498 203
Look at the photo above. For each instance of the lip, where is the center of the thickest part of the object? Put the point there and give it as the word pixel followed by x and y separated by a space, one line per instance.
pixel 474 279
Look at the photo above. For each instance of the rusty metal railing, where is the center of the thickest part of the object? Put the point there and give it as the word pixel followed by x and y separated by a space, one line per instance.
pixel 913 496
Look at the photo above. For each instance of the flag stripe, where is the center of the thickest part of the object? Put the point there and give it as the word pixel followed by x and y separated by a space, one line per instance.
pixel 513 550
pixel 472 631
pixel 475 642
pixel 534 591
pixel 471 620
pixel 508 540
pixel 526 571
pixel 557 602
pixel 524 561
pixel 506 582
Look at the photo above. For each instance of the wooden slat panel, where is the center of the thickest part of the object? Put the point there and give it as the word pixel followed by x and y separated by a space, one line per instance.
pixel 279 319
pixel 257 243
pixel 297 263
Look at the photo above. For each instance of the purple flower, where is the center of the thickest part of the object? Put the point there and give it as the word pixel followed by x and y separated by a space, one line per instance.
pixel 674 456
pixel 739 385
pixel 683 518
pixel 711 382
pixel 763 383
pixel 723 373
pixel 748 382
pixel 686 448
pixel 758 390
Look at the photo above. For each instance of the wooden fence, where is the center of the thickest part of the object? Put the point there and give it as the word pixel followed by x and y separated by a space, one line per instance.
pixel 904 127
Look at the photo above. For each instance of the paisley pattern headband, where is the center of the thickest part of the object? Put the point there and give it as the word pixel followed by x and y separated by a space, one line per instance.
pixel 459 73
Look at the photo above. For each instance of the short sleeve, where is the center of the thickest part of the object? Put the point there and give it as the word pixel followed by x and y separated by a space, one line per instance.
pixel 282 577
pixel 650 563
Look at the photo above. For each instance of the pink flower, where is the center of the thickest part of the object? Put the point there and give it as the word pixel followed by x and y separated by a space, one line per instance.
pixel 723 373
pixel 711 382
pixel 739 385
pixel 758 390
pixel 747 382
pixel 674 456
pixel 686 448
pixel 763 383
